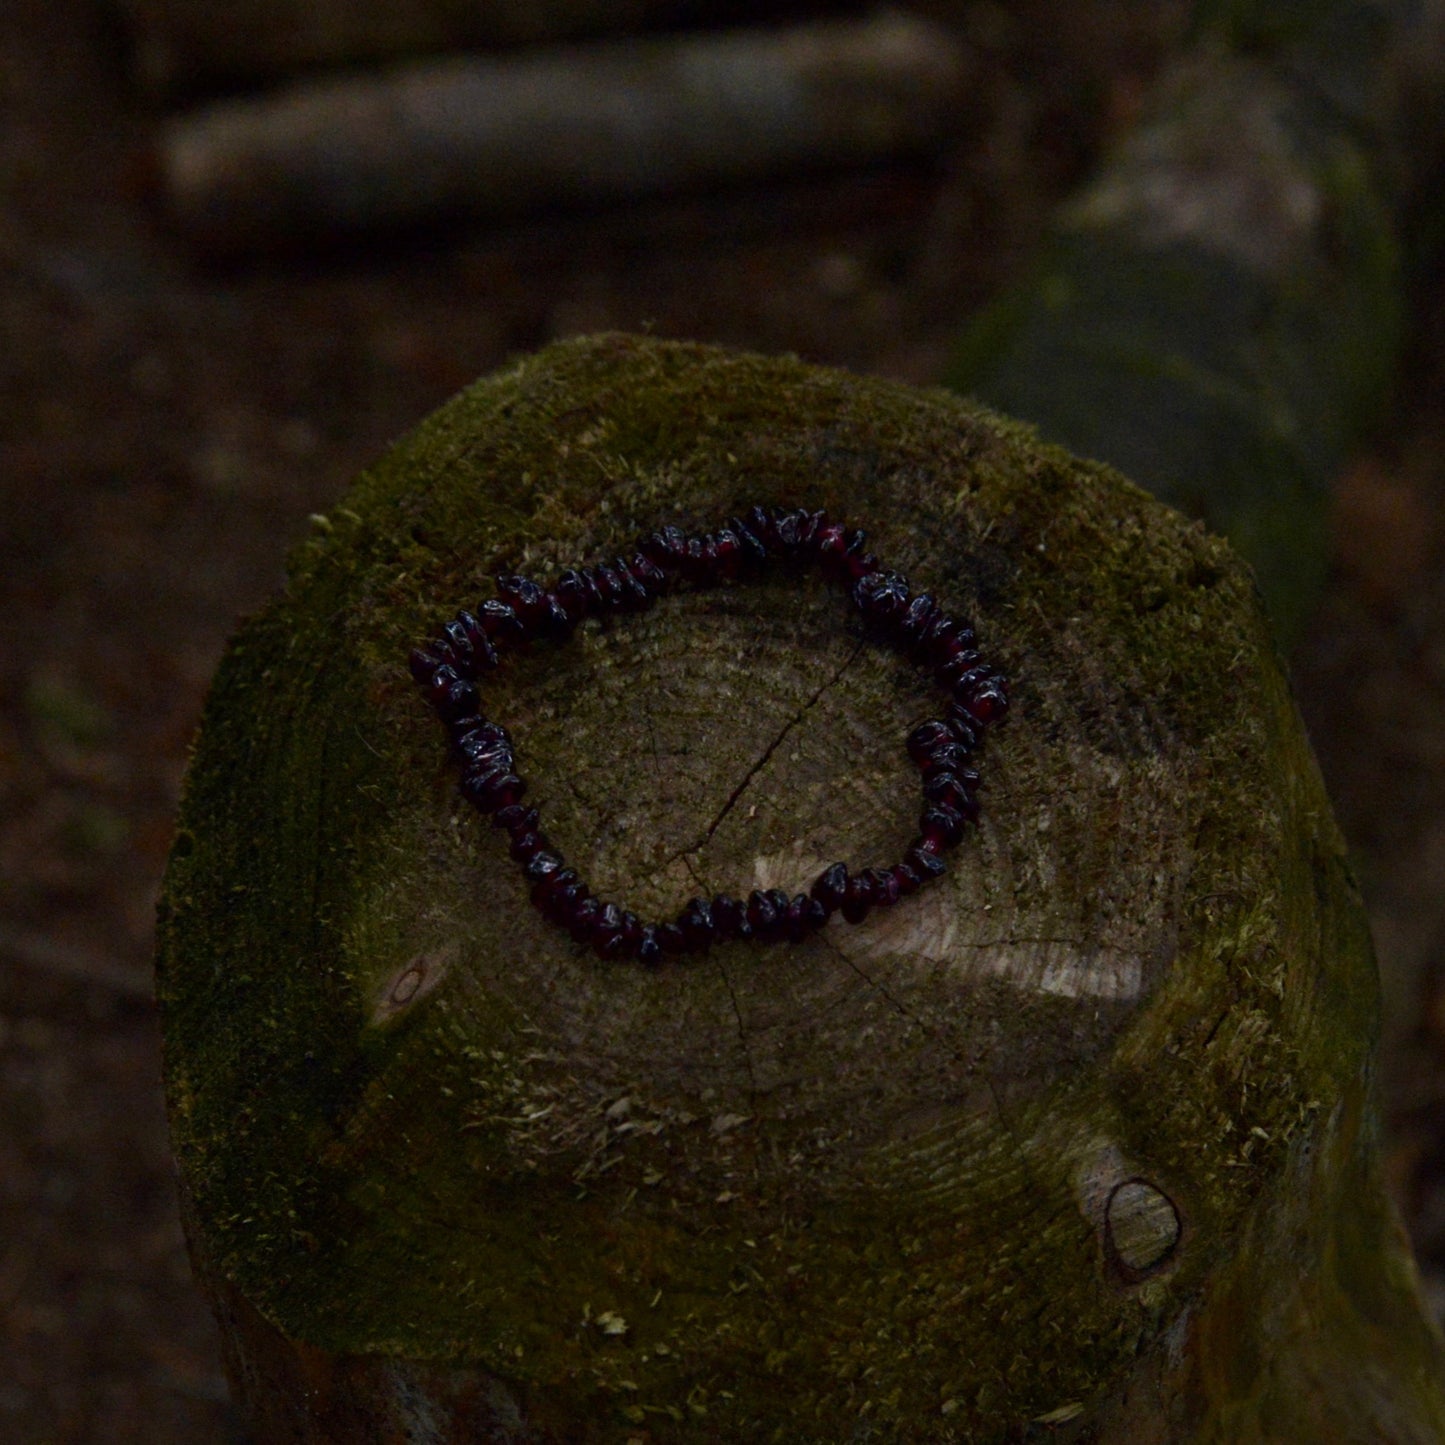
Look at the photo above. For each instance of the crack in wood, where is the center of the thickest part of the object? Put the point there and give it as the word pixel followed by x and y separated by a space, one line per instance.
pixel 742 1029
pixel 706 837
pixel 903 1012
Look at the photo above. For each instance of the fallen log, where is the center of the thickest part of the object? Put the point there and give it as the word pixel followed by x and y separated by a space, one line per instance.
pixel 181 47
pixel 1219 311
pixel 488 135
pixel 1079 1137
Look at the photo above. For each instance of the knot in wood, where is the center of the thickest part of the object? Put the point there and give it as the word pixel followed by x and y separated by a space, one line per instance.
pixel 1142 1225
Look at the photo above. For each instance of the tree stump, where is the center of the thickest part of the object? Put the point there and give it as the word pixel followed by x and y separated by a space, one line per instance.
pixel 1076 1143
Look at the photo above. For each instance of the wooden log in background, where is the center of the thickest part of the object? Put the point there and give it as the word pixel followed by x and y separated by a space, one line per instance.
pixel 178 47
pixel 1220 310
pixel 1080 1138
pixel 487 135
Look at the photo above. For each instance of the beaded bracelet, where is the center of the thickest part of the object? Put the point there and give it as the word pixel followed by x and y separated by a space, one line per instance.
pixel 524 611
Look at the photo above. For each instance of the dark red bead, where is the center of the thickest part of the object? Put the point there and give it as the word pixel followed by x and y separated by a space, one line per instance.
pixel 595 599
pixel 696 923
pixel 924 860
pixel 423 665
pixel 607 930
pixel 516 819
pixel 925 738
pixel 858 899
pixel 762 914
pixel 490 791
pixel 945 758
pixel 572 591
pixel 917 618
pixel 840 554
pixel 632 596
pixel 609 586
pixel 751 548
pixel 498 621
pixel 907 879
pixel 454 640
pixel 952 791
pixel 666 548
pixel 788 529
pixel 545 889
pixel 583 918
pixel 958 645
pixel 830 886
pixel 670 938
pixel 504 789
pixel 525 846
pixel 556 621
pixel 780 901
pixel 482 737
pixel 484 655
pixel 442 649
pixel 966 729
pixel 729 916
pixel 711 558
pixel 474 777
pixel 944 639
pixel 811 525
pixel 649 950
pixel 462 700
pixel 962 674
pixel 791 921
pixel 694 563
pixel 495 759
pixel 439 683
pixel 882 887
pixel 882 597
pixel 801 917
pixel 856 568
pixel 760 524
pixel 830 542
pixel 631 933
pixel 942 823
pixel 987 700
pixel 648 574
pixel 561 900
pixel 460 727
pixel 729 553
pixel 525 597
pixel 543 866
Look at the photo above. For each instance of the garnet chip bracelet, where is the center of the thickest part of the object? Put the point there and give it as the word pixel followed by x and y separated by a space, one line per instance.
pixel 524 610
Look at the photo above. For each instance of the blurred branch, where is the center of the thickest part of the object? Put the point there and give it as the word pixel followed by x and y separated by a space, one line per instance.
pixel 181 46
pixel 486 135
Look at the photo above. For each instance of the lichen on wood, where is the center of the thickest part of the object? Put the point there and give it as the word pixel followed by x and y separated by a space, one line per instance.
pixel 900 1182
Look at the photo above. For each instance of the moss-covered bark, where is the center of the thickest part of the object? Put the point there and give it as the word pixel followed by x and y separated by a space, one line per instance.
pixel 1078 1139
pixel 1219 310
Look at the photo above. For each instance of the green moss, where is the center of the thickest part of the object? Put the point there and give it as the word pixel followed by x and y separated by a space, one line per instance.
pixel 778 1191
pixel 1228 365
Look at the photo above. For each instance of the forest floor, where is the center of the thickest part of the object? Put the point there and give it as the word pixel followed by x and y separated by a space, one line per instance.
pixel 165 429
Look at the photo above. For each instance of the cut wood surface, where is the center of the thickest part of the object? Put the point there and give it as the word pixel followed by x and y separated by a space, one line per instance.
pixel 490 135
pixel 1078 1140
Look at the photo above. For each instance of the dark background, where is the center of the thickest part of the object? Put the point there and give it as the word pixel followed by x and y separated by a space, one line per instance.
pixel 165 429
